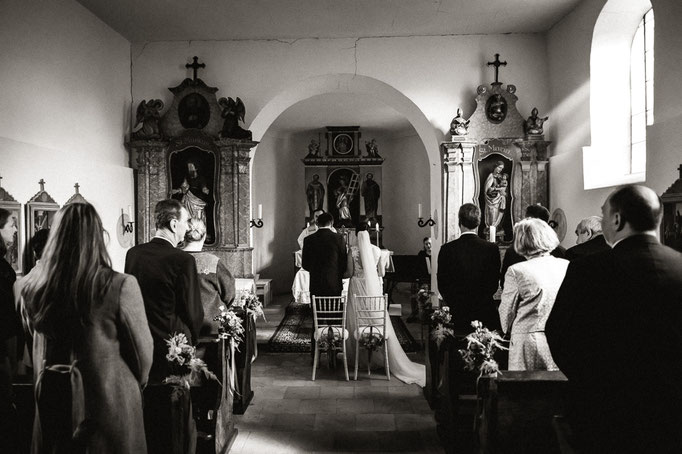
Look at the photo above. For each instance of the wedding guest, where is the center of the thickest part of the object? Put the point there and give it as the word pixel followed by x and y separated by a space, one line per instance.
pixel 79 308
pixel 215 280
pixel 615 333
pixel 312 228
pixel 511 256
pixel 529 294
pixel 468 272
pixel 10 327
pixel 424 276
pixel 590 239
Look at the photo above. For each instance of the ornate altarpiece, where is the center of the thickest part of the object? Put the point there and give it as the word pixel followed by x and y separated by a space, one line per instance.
pixel 498 138
pixel 184 152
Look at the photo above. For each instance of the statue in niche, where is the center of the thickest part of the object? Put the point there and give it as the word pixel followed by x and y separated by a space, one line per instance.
pixel 495 190
pixel 233 113
pixel 148 114
pixel 533 125
pixel 343 200
pixel 313 149
pixel 372 149
pixel 459 126
pixel 370 193
pixel 496 108
pixel 194 111
pixel 194 192
pixel 315 194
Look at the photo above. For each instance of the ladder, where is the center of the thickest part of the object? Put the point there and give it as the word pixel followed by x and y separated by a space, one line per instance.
pixel 352 187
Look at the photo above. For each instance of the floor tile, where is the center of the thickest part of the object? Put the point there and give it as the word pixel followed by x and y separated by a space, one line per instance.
pixel 318 406
pixel 334 422
pixel 414 422
pixel 354 406
pixel 375 422
pixel 302 392
pixel 291 422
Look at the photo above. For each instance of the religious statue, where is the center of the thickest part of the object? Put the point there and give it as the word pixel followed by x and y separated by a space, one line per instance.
pixel 233 112
pixel 315 194
pixel 495 190
pixel 194 192
pixel 459 126
pixel 371 193
pixel 313 149
pixel 148 114
pixel 372 149
pixel 343 200
pixel 496 108
pixel 533 125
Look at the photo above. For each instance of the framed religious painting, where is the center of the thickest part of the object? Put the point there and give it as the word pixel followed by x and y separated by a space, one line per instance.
pixel 671 227
pixel 40 213
pixel 14 245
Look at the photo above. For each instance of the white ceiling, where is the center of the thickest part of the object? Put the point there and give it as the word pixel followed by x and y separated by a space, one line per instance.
pixel 184 20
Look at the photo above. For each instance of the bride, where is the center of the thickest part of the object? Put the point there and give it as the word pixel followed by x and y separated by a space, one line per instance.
pixel 365 281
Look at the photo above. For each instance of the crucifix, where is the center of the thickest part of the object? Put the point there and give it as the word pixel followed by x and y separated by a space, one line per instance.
pixel 497 63
pixel 679 168
pixel 1 180
pixel 76 186
pixel 42 185
pixel 196 65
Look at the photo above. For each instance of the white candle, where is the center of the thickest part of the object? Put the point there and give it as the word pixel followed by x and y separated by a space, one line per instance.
pixel 492 233
pixel 260 211
pixel 130 212
pixel 376 226
pixel 420 210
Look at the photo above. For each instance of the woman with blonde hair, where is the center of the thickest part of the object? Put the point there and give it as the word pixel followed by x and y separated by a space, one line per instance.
pixel 529 292
pixel 81 310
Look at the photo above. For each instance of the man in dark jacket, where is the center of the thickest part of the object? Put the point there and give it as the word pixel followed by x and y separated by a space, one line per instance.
pixel 615 332
pixel 468 273
pixel 590 239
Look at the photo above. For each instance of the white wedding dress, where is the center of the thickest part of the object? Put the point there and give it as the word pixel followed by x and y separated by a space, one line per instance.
pixel 365 282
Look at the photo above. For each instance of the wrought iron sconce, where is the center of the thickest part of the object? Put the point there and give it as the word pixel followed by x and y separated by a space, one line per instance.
pixel 422 223
pixel 258 222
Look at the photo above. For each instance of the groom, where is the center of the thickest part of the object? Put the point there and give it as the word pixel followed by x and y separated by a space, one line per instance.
pixel 325 258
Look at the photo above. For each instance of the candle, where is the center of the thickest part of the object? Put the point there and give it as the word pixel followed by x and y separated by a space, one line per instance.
pixel 260 211
pixel 492 233
pixel 130 212
pixel 420 210
pixel 376 226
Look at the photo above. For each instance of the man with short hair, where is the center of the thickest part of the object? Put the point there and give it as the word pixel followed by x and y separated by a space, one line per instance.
pixel 311 228
pixel 511 257
pixel 615 331
pixel 590 239
pixel 169 282
pixel 468 273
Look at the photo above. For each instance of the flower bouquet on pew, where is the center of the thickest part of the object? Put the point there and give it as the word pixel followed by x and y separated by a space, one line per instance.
pixel 480 350
pixel 229 325
pixel 250 303
pixel 440 319
pixel 424 306
pixel 185 368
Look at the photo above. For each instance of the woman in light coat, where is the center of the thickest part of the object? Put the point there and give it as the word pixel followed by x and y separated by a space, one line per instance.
pixel 529 292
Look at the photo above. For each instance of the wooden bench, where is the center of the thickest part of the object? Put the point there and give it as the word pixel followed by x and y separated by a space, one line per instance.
pixel 264 291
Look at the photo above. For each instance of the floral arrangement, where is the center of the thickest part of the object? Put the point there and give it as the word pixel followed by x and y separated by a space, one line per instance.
pixel 185 367
pixel 230 324
pixel 372 341
pixel 441 316
pixel 250 303
pixel 439 319
pixel 481 346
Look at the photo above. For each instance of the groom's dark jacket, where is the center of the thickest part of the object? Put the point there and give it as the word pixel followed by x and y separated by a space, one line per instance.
pixel 325 258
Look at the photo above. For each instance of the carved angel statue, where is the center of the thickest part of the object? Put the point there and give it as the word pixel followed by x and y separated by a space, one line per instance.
pixel 233 113
pixel 534 123
pixel 314 148
pixel 149 114
pixel 372 149
pixel 459 126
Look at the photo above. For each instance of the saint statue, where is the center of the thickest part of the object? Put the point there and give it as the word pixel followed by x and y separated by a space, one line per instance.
pixel 372 149
pixel 495 190
pixel 194 192
pixel 315 194
pixel 343 202
pixel 371 193
pixel 533 125
pixel 459 126
pixel 313 149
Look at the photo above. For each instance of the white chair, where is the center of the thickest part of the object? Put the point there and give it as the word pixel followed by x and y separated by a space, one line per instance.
pixel 329 313
pixel 372 318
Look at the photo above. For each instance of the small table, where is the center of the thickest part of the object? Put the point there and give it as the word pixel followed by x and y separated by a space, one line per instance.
pixel 263 289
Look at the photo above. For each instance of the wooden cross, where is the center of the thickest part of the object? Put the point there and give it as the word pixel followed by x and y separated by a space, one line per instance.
pixel 1 180
pixel 497 63
pixel 679 168
pixel 42 185
pixel 76 186
pixel 196 65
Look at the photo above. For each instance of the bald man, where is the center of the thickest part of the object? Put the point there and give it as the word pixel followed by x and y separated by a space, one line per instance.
pixel 616 332
pixel 590 239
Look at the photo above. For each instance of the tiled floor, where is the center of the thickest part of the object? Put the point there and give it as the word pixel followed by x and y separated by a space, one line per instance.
pixel 291 413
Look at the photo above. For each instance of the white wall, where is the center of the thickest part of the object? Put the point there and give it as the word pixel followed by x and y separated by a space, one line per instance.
pixel 569 69
pixel 65 91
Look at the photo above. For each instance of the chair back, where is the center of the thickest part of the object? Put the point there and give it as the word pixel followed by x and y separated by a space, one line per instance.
pixel 329 311
pixel 371 314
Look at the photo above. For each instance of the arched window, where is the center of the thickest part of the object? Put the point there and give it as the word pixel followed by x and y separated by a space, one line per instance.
pixel 619 69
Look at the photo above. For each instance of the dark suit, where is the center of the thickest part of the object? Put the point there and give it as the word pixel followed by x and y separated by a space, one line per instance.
pixel 468 273
pixel 616 332
pixel 325 258
pixel 511 257
pixel 170 288
pixel 593 246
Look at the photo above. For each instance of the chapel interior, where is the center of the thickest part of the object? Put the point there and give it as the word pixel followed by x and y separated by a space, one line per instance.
pixel 388 75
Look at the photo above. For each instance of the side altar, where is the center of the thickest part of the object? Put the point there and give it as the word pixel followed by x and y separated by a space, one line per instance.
pixel 496 160
pixel 196 152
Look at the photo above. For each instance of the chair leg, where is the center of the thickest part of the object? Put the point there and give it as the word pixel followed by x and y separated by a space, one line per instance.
pixel 316 357
pixel 345 360
pixel 388 372
pixel 357 351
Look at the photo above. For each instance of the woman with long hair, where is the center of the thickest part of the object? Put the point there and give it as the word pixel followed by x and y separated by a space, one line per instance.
pixel 80 310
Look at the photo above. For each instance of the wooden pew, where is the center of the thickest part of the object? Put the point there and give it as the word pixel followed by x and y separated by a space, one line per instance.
pixel 517 410
pixel 244 356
